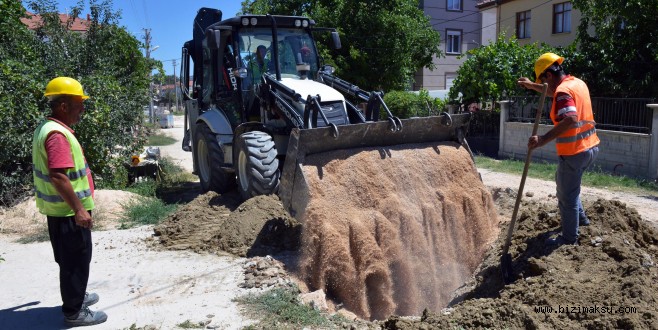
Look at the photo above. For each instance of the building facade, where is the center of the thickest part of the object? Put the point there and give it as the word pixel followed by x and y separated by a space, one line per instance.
pixel 553 22
pixel 459 22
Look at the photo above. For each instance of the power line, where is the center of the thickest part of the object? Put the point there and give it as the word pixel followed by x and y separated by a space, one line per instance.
pixel 146 13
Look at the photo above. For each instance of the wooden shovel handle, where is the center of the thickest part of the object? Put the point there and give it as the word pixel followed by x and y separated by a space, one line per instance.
pixel 519 194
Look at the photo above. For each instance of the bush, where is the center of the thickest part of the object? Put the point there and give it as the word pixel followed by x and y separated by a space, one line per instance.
pixel 406 104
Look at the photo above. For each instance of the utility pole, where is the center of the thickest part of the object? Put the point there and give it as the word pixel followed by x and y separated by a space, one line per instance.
pixel 173 62
pixel 147 42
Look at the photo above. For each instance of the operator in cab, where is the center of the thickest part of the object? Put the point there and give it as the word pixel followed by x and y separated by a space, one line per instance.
pixel 259 63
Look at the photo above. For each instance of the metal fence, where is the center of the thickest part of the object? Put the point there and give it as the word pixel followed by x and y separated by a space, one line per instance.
pixel 615 114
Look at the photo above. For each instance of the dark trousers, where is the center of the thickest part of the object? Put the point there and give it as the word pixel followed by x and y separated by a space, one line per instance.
pixel 72 249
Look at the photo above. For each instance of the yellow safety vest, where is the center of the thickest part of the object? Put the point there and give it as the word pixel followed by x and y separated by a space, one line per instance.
pixel 582 136
pixel 49 202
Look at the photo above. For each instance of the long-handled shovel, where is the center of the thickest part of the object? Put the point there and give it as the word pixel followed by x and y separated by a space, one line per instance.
pixel 506 259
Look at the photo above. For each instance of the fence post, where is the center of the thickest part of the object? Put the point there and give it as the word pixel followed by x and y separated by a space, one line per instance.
pixel 504 113
pixel 653 152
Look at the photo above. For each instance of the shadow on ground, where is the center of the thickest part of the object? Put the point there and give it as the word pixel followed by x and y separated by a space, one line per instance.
pixel 31 316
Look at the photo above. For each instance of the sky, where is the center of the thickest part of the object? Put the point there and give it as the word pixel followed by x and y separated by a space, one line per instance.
pixel 170 22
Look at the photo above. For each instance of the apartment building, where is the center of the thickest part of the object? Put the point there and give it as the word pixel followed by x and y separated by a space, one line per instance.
pixel 459 23
pixel 554 22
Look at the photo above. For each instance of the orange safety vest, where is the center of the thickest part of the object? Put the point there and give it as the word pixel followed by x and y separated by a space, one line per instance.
pixel 582 136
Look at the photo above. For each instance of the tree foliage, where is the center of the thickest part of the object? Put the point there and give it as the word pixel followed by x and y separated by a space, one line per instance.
pixel 618 44
pixel 384 41
pixel 490 72
pixel 107 61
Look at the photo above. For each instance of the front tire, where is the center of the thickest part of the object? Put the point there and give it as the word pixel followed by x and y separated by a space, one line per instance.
pixel 210 157
pixel 256 165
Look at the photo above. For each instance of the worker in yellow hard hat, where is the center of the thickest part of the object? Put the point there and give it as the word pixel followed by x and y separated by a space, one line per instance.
pixel 64 192
pixel 575 138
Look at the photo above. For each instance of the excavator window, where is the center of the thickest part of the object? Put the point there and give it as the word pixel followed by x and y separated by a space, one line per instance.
pixel 207 82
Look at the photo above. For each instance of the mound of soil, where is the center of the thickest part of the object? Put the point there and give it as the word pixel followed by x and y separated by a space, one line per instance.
pixel 608 281
pixel 219 223
pixel 395 229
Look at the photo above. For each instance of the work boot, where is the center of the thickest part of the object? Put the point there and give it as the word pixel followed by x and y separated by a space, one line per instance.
pixel 90 299
pixel 582 220
pixel 86 317
pixel 560 240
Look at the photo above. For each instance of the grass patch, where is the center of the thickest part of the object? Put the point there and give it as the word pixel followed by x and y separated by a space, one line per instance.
pixel 145 211
pixel 174 174
pixel 149 208
pixel 160 139
pixel 595 177
pixel 281 309
pixel 145 188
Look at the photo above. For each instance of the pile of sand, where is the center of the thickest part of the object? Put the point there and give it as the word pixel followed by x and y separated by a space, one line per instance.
pixel 394 230
pixel 219 223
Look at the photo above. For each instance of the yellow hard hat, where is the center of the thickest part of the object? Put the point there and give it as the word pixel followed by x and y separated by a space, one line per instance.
pixel 64 86
pixel 544 61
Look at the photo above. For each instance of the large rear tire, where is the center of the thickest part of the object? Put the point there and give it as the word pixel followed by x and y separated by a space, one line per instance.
pixel 256 165
pixel 209 157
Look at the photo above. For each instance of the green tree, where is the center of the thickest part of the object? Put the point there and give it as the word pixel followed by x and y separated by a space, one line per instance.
pixel 21 91
pixel 384 41
pixel 106 59
pixel 618 47
pixel 490 72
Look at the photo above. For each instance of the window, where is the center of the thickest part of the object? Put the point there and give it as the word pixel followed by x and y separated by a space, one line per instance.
pixel 562 17
pixel 523 25
pixel 454 5
pixel 453 41
pixel 450 79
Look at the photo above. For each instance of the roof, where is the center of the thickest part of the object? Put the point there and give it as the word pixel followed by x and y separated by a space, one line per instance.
pixel 34 21
pixel 482 4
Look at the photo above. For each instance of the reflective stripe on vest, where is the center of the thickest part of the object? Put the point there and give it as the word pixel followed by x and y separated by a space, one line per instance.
pixel 48 200
pixel 59 199
pixel 582 135
pixel 72 175
pixel 579 136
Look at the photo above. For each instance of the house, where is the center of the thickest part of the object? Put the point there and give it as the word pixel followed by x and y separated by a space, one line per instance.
pixel 459 22
pixel 467 24
pixel 34 21
pixel 553 22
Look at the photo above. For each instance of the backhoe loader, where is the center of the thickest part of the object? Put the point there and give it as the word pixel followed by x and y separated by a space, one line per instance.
pixel 251 118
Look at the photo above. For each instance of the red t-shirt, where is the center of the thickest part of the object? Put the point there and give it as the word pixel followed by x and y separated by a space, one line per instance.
pixel 60 155
pixel 565 105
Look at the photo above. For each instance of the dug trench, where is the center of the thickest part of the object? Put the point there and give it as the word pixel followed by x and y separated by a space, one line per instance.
pixel 411 231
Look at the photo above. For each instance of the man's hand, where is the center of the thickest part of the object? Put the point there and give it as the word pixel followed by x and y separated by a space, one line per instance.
pixel 524 82
pixel 83 219
pixel 529 84
pixel 535 141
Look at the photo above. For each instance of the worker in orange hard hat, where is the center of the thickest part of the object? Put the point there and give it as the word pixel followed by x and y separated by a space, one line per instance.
pixel 575 138
pixel 64 192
